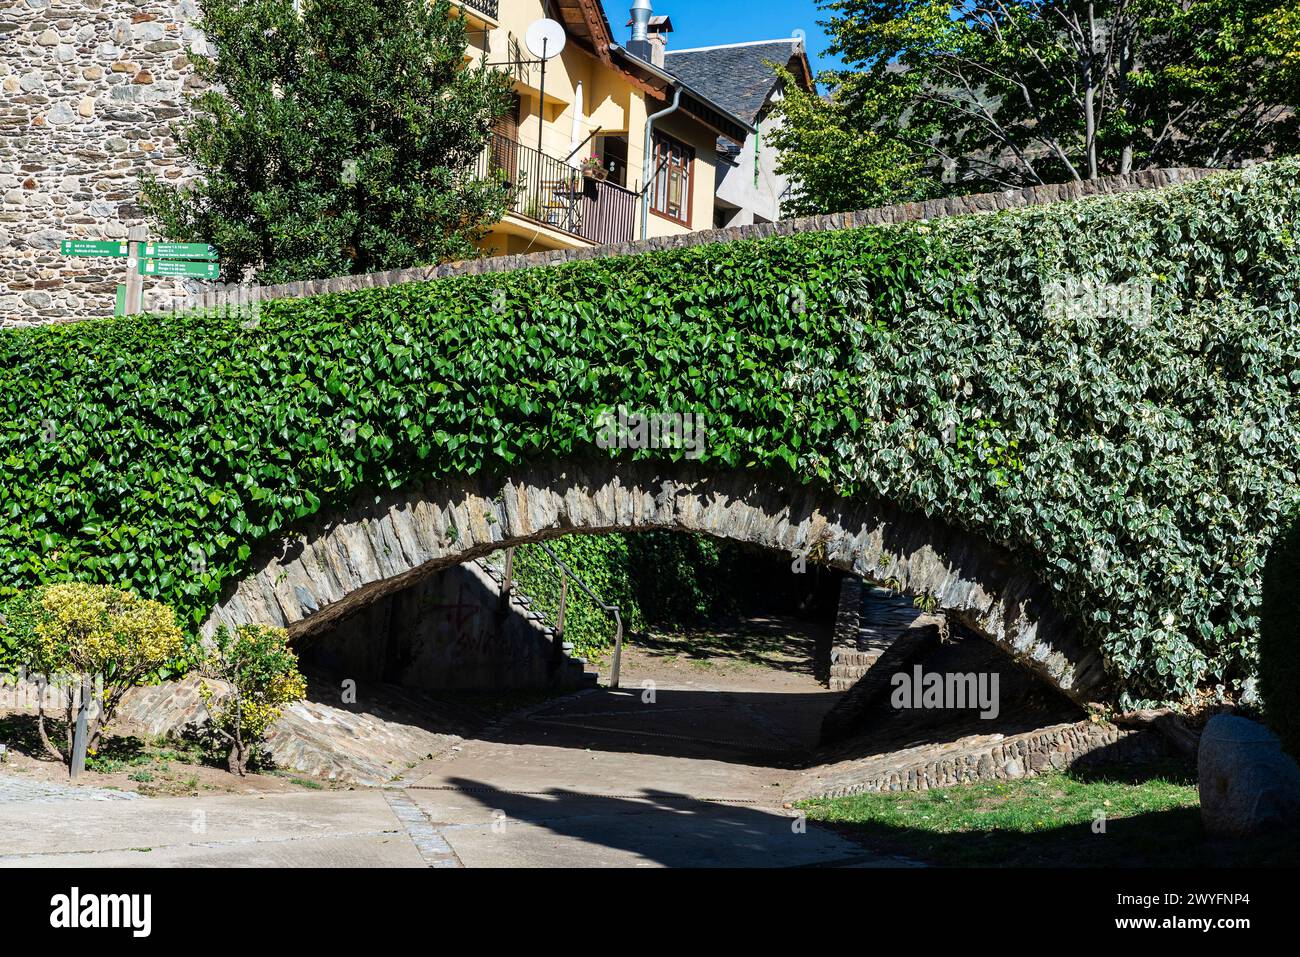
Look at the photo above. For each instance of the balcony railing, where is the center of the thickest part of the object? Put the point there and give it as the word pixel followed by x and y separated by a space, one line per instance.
pixel 485 7
pixel 552 192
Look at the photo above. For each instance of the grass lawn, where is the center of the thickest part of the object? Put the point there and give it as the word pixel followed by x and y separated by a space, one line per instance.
pixel 1150 820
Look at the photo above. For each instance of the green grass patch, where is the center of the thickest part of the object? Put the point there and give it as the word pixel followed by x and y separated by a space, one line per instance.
pixel 1051 820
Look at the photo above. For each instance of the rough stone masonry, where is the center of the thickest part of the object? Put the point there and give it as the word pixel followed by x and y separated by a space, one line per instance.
pixel 89 92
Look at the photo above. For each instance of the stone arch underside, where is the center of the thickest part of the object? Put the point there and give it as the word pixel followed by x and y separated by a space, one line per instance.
pixel 335 565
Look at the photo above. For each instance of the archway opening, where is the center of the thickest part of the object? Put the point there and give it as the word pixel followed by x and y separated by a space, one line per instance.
pixel 723 652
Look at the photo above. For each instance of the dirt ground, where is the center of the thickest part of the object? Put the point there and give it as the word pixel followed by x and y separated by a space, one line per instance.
pixel 124 763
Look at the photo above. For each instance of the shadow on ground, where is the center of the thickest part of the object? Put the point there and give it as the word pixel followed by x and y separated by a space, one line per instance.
pixel 663 827
pixel 780 642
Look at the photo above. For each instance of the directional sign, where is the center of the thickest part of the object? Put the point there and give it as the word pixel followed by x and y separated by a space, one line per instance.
pixel 180 250
pixel 120 309
pixel 176 267
pixel 93 247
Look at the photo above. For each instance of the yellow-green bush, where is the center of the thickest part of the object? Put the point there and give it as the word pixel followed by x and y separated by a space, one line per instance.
pixel 262 676
pixel 69 630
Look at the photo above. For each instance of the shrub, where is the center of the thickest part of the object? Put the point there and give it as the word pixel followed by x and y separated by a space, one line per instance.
pixel 1279 639
pixel 69 631
pixel 1137 461
pixel 262 676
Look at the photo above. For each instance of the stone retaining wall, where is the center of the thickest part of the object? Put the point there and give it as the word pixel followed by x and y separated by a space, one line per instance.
pixel 983 758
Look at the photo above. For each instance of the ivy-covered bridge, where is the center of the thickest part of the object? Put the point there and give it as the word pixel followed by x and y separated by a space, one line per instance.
pixel 1075 426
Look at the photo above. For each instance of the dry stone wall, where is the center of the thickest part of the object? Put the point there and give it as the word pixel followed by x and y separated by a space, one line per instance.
pixel 89 91
pixel 992 757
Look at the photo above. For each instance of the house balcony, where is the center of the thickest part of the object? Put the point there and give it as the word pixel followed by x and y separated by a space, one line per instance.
pixel 554 194
pixel 482 10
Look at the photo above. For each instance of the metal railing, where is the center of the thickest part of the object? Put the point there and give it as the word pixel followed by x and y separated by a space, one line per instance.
pixel 567 574
pixel 485 7
pixel 558 195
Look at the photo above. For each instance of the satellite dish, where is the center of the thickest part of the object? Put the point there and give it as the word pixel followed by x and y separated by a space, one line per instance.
pixel 545 39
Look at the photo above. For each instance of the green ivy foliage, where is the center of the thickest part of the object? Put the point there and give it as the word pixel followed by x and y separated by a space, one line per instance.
pixel 599 560
pixel 1138 464
pixel 665 579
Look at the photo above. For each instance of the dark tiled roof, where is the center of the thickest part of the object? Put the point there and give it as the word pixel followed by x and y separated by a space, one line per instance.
pixel 737 78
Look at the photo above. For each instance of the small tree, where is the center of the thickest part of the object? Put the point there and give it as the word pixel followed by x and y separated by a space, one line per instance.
pixel 74 630
pixel 336 138
pixel 262 674
pixel 836 166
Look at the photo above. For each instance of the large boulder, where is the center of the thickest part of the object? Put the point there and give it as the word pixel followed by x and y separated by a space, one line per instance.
pixel 1248 784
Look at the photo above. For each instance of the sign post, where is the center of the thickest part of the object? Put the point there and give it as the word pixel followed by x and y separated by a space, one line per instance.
pixel 93 247
pixel 134 275
pixel 179 251
pixel 78 762
pixel 146 258
pixel 179 267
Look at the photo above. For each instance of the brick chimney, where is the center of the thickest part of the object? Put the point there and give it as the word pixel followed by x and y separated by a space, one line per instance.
pixel 659 28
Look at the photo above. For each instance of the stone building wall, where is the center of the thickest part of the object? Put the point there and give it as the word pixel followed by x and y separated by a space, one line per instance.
pixel 89 91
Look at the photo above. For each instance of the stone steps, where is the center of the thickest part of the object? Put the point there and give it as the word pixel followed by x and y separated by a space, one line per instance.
pixel 573 670
pixel 877 631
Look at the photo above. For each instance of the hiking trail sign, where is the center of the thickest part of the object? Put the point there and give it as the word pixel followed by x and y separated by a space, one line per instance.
pixel 179 267
pixel 95 247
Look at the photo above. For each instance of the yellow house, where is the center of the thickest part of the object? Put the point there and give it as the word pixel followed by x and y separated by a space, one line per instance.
pixel 577 149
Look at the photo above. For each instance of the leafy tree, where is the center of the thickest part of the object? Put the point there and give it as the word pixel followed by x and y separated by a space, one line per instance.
pixel 70 631
pixel 835 164
pixel 1013 93
pixel 261 674
pixel 335 140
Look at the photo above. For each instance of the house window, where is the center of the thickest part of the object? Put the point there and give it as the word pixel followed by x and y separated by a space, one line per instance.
pixel 671 193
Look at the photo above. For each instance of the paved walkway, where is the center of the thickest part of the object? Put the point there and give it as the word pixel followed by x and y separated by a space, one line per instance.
pixel 686 771
pixel 695 778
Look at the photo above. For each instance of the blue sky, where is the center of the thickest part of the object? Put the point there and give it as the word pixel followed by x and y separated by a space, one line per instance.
pixel 701 23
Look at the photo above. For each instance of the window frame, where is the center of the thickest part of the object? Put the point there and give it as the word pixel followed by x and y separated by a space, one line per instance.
pixel 664 143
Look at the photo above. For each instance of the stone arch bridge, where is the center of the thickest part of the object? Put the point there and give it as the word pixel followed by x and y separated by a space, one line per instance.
pixel 340 563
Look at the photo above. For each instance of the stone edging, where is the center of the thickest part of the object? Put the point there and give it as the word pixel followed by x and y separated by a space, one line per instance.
pixel 981 758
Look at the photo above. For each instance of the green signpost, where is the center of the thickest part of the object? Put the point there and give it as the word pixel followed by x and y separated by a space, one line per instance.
pixel 179 251
pixel 188 260
pixel 95 247
pixel 178 267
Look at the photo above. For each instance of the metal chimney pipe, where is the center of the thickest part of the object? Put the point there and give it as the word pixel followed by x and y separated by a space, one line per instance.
pixel 641 13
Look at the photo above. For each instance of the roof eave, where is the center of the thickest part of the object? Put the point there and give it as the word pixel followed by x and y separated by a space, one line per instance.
pixel 716 117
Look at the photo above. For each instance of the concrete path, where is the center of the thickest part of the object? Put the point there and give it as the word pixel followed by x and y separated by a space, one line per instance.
pixel 672 771
pixel 693 776
pixel 316 829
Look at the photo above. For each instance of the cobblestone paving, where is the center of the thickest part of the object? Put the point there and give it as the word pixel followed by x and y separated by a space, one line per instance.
pixel 16 788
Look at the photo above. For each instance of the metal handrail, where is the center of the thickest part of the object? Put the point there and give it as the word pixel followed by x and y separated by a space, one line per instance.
pixel 507 581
